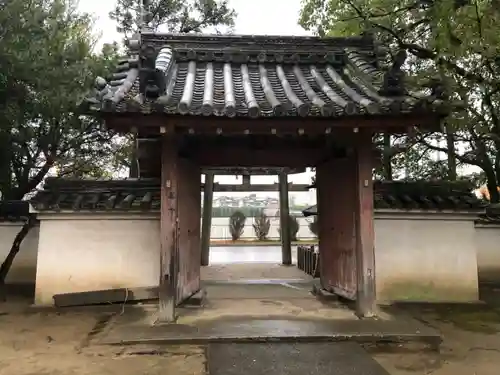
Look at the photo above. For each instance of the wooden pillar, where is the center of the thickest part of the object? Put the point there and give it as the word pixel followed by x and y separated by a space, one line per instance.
pixel 169 231
pixel 246 180
pixel 365 238
pixel 286 245
pixel 206 224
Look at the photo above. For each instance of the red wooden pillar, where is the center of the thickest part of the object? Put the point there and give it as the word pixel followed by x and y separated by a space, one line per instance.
pixel 365 237
pixel 168 231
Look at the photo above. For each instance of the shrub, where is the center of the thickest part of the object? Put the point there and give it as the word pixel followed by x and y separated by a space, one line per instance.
pixel 261 226
pixel 294 227
pixel 313 226
pixel 237 224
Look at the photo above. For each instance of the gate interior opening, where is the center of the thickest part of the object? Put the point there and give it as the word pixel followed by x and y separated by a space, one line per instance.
pixel 248 260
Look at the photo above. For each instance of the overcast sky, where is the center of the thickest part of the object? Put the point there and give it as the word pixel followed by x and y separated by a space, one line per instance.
pixel 259 17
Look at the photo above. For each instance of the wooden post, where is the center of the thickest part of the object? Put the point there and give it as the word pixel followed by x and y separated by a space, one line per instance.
pixel 206 224
pixel 246 180
pixel 365 242
pixel 169 231
pixel 286 245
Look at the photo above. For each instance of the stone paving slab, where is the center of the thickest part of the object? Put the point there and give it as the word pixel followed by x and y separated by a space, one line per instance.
pixel 285 329
pixel 291 359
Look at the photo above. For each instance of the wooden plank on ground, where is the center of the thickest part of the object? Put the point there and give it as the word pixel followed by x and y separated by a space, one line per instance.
pixel 99 297
pixel 121 295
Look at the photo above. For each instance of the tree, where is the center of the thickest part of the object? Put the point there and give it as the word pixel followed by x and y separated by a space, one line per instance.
pixel 237 225
pixel 453 48
pixel 47 65
pixel 261 226
pixel 179 16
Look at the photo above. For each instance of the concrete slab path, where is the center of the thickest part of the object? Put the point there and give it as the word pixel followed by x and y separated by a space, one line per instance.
pixel 291 359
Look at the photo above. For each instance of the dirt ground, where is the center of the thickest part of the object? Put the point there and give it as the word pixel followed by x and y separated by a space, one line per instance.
pixel 50 343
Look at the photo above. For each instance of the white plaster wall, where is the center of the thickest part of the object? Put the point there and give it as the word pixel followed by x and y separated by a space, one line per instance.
pixel 419 256
pixel 488 252
pixel 23 269
pixel 80 253
pixel 425 257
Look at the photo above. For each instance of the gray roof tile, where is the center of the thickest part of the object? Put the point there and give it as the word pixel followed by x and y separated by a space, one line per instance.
pixel 254 77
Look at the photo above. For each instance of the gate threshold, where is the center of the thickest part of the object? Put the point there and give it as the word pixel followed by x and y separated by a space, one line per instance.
pixel 242 329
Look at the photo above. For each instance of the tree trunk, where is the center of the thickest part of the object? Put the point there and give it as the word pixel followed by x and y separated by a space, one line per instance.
pixel 387 159
pixel 16 245
pixel 19 193
pixel 452 160
pixel 492 185
pixel 134 164
pixel 5 165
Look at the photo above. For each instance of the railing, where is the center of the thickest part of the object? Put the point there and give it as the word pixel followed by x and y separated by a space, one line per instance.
pixel 308 260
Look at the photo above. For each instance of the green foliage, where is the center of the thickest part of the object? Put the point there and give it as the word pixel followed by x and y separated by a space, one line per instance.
pixel 313 226
pixel 47 66
pixel 293 225
pixel 261 226
pixel 180 16
pixel 237 225
pixel 453 42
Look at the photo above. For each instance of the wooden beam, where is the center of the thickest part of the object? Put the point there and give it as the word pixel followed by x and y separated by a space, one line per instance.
pixel 236 171
pixel 169 231
pixel 261 187
pixel 206 224
pixel 107 296
pixel 286 243
pixel 296 126
pixel 365 238
pixel 230 156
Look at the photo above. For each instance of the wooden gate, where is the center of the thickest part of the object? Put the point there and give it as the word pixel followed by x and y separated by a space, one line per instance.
pixel 189 217
pixel 336 189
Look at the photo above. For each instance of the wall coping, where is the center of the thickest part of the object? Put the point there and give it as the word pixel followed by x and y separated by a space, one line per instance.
pixel 93 215
pixel 389 214
pixel 383 214
pixel 488 226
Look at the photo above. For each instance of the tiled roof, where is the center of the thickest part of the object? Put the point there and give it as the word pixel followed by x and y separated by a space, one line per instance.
pixel 255 77
pixel 144 194
pixel 455 196
pixel 98 195
pixel 491 215
pixel 14 210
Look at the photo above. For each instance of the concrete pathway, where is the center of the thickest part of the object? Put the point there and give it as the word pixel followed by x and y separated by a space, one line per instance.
pixel 248 254
pixel 291 359
pixel 251 271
